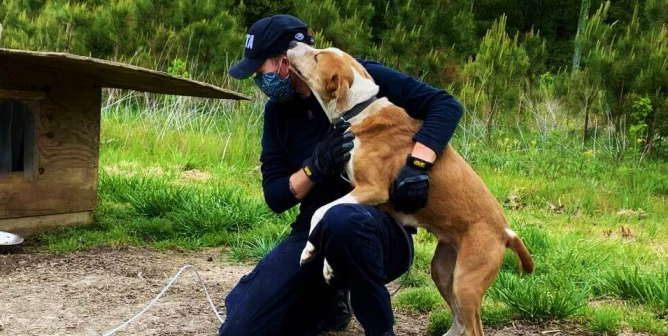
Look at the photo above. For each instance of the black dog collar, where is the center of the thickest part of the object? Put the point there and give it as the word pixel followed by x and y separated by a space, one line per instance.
pixel 357 109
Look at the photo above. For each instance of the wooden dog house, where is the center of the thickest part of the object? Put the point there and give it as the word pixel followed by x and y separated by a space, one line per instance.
pixel 50 107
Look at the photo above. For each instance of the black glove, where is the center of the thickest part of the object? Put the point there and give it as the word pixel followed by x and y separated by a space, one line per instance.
pixel 411 188
pixel 331 154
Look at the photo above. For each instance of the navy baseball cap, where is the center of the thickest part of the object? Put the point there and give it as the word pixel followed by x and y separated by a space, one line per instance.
pixel 269 37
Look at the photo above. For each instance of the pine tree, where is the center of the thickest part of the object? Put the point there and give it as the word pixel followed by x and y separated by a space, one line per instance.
pixel 630 65
pixel 652 80
pixel 584 11
pixel 498 69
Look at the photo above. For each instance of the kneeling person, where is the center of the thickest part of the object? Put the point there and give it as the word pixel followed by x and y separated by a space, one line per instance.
pixel 302 157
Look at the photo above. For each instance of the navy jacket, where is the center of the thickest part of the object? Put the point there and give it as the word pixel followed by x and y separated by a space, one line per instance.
pixel 293 128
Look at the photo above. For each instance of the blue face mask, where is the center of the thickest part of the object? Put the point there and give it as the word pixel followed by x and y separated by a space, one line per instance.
pixel 275 87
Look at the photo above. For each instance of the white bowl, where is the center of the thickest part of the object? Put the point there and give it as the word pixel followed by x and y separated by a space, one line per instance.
pixel 9 239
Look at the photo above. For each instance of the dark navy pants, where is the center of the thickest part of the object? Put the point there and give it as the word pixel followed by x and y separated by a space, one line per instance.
pixel 366 249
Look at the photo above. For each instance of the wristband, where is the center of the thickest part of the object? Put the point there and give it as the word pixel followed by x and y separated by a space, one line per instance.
pixel 417 163
pixel 308 171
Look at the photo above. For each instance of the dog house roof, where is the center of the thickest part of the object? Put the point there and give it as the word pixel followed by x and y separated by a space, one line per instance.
pixel 121 76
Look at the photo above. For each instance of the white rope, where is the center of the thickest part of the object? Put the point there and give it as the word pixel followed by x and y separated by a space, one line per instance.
pixel 171 282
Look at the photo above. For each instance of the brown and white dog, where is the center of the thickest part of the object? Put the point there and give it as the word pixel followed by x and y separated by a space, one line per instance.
pixel 468 221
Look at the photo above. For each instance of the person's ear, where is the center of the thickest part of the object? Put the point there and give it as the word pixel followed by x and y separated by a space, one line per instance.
pixel 283 66
pixel 338 89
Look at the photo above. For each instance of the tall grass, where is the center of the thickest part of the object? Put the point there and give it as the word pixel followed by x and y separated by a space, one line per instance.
pixel 194 131
pixel 640 287
pixel 535 300
pixel 158 211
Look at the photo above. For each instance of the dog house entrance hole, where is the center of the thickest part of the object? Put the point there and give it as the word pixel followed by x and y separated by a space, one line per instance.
pixel 16 136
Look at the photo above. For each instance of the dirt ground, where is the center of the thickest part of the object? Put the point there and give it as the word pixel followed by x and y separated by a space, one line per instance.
pixel 88 293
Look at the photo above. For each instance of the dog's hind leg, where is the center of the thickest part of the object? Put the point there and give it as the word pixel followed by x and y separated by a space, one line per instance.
pixel 442 272
pixel 478 261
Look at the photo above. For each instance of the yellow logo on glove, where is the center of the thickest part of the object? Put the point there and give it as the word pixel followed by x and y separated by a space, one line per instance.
pixel 308 172
pixel 419 163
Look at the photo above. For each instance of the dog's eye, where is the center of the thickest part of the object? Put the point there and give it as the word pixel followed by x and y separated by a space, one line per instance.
pixel 315 57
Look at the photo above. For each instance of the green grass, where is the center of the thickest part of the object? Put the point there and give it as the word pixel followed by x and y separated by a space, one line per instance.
pixel 157 210
pixel 495 313
pixel 183 174
pixel 424 299
pixel 650 288
pixel 605 320
pixel 258 241
pixel 647 322
pixel 415 279
pixel 537 299
pixel 439 322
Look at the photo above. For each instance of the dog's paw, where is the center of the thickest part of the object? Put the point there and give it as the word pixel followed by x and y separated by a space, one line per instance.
pixel 327 272
pixel 307 254
pixel 456 329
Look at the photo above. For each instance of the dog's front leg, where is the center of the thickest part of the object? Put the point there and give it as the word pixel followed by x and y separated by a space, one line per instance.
pixel 369 195
pixel 309 251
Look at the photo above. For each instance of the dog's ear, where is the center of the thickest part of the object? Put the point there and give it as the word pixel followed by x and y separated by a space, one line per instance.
pixel 333 85
pixel 338 89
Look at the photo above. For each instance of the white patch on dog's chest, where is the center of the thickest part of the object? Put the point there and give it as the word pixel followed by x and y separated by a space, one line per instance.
pixel 349 166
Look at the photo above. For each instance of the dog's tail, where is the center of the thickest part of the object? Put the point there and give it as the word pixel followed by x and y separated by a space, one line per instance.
pixel 516 244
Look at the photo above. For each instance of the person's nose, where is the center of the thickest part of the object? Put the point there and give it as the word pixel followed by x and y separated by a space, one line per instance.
pixel 292 44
